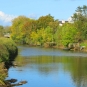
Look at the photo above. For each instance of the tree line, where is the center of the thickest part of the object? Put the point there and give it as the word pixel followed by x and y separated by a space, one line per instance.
pixel 47 30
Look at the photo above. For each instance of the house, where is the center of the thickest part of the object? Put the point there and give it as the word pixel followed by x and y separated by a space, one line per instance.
pixel 62 22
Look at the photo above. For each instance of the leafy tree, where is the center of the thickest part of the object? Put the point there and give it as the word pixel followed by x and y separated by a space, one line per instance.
pixel 16 27
pixel 48 35
pixel 44 21
pixel 34 37
pixel 58 36
pixel 54 25
pixel 7 29
pixel 21 29
pixel 41 36
pixel 80 21
pixel 80 14
pixel 68 34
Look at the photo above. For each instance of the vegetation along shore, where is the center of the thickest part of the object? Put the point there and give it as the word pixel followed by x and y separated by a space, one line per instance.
pixel 49 32
pixel 8 51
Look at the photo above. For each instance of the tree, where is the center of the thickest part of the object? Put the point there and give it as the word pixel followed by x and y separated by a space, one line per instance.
pixel 7 29
pixel 41 36
pixel 80 22
pixel 68 34
pixel 44 21
pixel 21 29
pixel 54 25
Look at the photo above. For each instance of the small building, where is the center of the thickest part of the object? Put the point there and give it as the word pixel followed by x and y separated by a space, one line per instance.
pixel 62 22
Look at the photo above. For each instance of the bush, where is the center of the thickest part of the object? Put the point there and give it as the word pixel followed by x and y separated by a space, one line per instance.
pixel 8 49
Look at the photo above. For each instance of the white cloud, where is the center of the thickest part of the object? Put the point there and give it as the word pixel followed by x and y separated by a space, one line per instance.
pixel 6 17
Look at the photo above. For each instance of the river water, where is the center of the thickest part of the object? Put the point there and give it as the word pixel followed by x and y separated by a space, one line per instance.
pixel 48 67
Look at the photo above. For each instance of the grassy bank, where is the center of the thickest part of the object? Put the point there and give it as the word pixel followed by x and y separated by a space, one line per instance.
pixel 8 51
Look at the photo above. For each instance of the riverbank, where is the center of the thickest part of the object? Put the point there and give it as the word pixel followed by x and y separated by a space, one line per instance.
pixel 82 46
pixel 8 51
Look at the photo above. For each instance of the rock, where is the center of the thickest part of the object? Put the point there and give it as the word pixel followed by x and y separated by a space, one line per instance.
pixel 74 46
pixel 9 83
pixel 22 82
pixel 12 80
pixel 82 47
pixel 14 64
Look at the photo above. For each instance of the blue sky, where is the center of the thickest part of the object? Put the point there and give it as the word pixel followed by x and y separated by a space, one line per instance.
pixel 59 9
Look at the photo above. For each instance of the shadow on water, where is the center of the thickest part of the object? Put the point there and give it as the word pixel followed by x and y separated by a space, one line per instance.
pixel 50 68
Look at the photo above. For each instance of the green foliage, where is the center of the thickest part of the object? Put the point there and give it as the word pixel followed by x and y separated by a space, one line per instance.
pixel 7 49
pixel 42 36
pixel 84 43
pixel 28 31
pixel 58 36
pixel 21 29
pixel 48 34
pixel 1 30
pixel 80 21
pixel 45 29
pixel 34 37
pixel 80 14
pixel 3 74
pixel 4 55
pixel 54 25
pixel 68 34
pixel 7 29
pixel 44 21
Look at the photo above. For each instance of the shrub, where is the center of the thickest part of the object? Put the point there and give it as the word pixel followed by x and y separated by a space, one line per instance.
pixel 8 49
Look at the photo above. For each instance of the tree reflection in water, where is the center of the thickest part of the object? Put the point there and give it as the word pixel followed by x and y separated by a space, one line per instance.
pixel 76 66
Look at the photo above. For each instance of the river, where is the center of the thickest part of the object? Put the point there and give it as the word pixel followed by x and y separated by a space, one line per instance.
pixel 48 67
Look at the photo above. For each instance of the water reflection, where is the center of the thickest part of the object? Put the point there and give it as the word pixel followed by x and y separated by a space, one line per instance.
pixel 34 51
pixel 50 70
